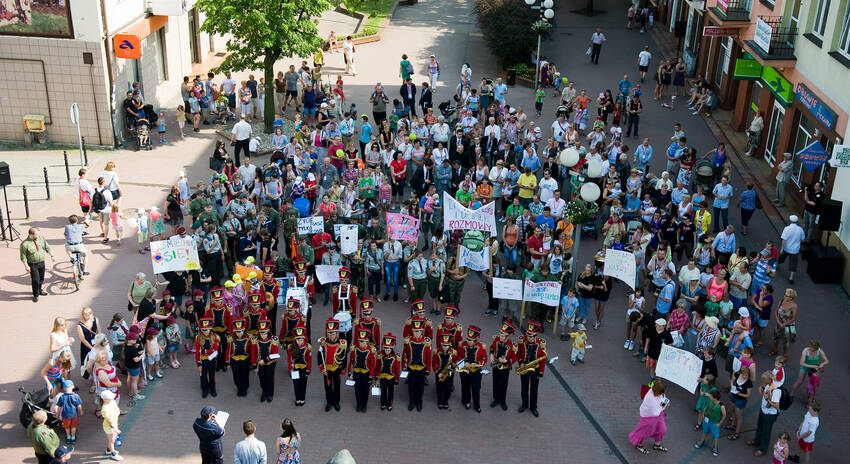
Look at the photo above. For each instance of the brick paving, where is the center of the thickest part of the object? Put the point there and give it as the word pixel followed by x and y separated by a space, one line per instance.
pixel 158 430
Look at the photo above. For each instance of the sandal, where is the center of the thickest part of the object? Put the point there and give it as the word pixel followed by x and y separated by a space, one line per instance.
pixel 98 415
pixel 641 449
pixel 734 436
pixel 697 427
pixel 660 447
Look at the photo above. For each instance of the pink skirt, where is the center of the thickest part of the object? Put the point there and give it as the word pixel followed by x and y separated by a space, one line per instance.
pixel 648 427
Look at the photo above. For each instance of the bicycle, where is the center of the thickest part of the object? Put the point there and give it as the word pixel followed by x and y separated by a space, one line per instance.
pixel 77 269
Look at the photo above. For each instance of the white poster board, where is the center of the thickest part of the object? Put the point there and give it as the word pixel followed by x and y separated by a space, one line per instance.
pixel 300 294
pixel 348 236
pixel 507 289
pixel 311 225
pixel 327 273
pixel 680 367
pixel 475 260
pixel 621 265
pixel 174 255
pixel 458 217
pixel 547 292
pixel 283 284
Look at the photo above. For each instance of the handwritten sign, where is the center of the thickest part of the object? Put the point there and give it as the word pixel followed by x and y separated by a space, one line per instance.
pixel 547 293
pixel 507 289
pixel 347 238
pixel 311 225
pixel 458 217
pixel 680 367
pixel 282 284
pixel 475 260
pixel 174 255
pixel 621 265
pixel 402 227
pixel 813 156
pixel 327 273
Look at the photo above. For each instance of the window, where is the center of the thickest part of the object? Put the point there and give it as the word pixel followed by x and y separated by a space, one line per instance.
pixel 163 57
pixel 821 14
pixel 844 43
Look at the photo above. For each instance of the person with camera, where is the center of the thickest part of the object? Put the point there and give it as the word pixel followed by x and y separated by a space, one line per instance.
pixel 209 434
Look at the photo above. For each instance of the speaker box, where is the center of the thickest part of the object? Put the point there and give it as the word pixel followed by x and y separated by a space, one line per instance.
pixel 826 265
pixel 830 215
pixel 679 29
pixel 5 176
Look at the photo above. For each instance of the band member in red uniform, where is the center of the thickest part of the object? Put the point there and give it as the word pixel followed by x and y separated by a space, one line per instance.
pixel 417 309
pixel 361 368
pixel 265 351
pixel 451 327
pixel 529 349
pixel 474 356
pixel 444 365
pixel 344 295
pixel 387 371
pixel 502 357
pixel 332 362
pixel 302 279
pixel 221 317
pixel 269 285
pixel 239 354
pixel 255 313
pixel 368 322
pixel 206 346
pixel 416 360
pixel 299 356
pixel 292 319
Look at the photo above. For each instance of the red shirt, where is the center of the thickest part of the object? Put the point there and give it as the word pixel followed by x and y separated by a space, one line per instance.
pixel 536 244
pixel 337 162
pixel 318 243
pixel 327 209
pixel 310 193
pixel 399 165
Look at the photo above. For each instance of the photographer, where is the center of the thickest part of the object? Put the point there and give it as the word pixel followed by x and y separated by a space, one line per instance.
pixel 209 434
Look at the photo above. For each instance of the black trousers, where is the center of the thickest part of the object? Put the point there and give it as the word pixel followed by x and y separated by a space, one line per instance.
pixel 470 389
pixel 43 458
pixel 633 122
pixel 594 53
pixel 219 360
pixel 241 378
pixel 379 116
pixel 215 267
pixel 300 385
pixel 37 277
pixel 207 376
pixel 332 388
pixel 529 384
pixel 387 392
pixel 500 385
pixel 266 374
pixel 361 389
pixel 444 389
pixel 416 386
pixel 211 458
pixel 240 145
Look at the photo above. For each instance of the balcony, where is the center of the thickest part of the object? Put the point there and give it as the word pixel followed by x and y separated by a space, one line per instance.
pixel 732 10
pixel 781 41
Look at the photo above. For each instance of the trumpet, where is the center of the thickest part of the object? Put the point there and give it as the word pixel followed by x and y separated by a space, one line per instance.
pixel 445 372
pixel 530 367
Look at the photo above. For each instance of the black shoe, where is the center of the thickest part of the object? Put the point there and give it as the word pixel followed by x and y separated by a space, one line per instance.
pixel 467 405
pixel 389 408
pixel 386 296
pixel 395 297
pixel 357 409
pixel 35 299
pixel 521 409
pixel 269 399
pixel 42 292
pixel 477 409
pixel 336 407
pixel 204 394
pixel 494 403
pixel 263 399
pixel 419 407
pixel 426 381
pixel 213 394
pixel 363 410
pixel 535 413
pixel 504 407
pixel 383 407
pixel 410 407
pixel 327 407
pixel 206 123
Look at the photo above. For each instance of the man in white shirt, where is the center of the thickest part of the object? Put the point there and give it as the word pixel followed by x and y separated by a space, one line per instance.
pixel 228 87
pixel 643 61
pixel 806 432
pixel 250 450
pixel 559 129
pixel 440 132
pixel 782 176
pixel 492 128
pixel 688 272
pixel 556 204
pixel 792 235
pixel 346 128
pixel 770 396
pixel 247 172
pixel 596 45
pixel 547 186
pixel 240 136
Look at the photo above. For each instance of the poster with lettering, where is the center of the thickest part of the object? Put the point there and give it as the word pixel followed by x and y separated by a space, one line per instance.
pixel 475 260
pixel 621 265
pixel 311 225
pixel 327 273
pixel 507 289
pixel 402 227
pixel 458 217
pixel 813 156
pixel 680 367
pixel 283 284
pixel 547 293
pixel 348 236
pixel 174 255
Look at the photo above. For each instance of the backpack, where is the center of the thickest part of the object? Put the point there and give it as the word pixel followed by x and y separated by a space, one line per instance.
pixel 785 399
pixel 85 198
pixel 409 69
pixel 98 201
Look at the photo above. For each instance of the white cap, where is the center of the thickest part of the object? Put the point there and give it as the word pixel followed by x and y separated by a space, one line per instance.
pixel 140 211
pixel 793 218
pixel 744 312
pixel 661 321
pixel 181 174
pixel 107 395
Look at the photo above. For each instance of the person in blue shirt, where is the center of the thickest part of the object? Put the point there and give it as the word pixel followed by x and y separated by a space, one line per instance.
pixel 365 132
pixel 747 203
pixel 718 159
pixel 530 160
pixel 665 295
pixel 723 192
pixel 643 156
pixel 546 220
pixel 209 435
pixel 624 85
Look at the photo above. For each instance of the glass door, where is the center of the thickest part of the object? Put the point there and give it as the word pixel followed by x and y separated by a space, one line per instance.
pixel 723 57
pixel 805 131
pixel 775 127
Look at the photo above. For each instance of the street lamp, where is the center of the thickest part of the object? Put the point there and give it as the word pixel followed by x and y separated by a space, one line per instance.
pixel 546 13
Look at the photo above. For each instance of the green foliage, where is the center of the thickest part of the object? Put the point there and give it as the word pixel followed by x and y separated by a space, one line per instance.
pixel 42 23
pixel 579 211
pixel 507 28
pixel 524 70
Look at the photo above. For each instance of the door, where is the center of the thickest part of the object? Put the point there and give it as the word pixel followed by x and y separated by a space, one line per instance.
pixel 725 53
pixel 775 127
pixel 806 134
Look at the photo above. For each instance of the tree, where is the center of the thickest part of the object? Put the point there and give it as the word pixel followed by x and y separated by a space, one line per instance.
pixel 507 29
pixel 260 32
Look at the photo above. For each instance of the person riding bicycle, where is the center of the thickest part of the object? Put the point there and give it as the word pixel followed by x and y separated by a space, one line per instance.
pixel 74 232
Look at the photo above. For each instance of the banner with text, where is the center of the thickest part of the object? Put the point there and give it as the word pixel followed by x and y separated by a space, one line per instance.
pixel 174 255
pixel 621 265
pixel 348 236
pixel 402 227
pixel 283 284
pixel 475 260
pixel 680 367
pixel 547 292
pixel 458 217
pixel 327 273
pixel 311 225
pixel 507 289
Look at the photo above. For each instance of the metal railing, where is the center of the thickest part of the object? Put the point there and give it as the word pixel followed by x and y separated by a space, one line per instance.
pixel 736 10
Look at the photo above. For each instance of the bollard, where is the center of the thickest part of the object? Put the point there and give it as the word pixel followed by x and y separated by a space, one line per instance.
pixel 67 168
pixel 85 152
pixel 46 184
pixel 26 203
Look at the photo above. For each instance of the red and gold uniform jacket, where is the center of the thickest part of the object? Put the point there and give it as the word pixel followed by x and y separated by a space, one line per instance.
pixel 504 349
pixel 417 355
pixel 300 357
pixel 332 356
pixel 529 350
pixel 262 350
pixel 205 346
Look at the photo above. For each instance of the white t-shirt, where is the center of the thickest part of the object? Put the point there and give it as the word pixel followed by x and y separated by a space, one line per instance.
pixel 810 424
pixel 644 57
pixel 775 395
pixel 547 188
pixel 247 173
pixel 227 85
pixel 793 235
pixel 556 206
pixel 559 129
pixel 111 179
pixel 242 130
pixel 686 275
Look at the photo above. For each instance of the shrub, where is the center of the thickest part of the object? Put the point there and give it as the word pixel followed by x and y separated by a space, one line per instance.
pixel 506 26
pixel 524 70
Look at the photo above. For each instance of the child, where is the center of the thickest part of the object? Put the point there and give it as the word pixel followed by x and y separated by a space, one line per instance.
pixel 142 230
pixel 183 185
pixel 385 194
pixel 338 91
pixel 579 344
pixel 569 305
pixel 618 113
pixel 161 127
pixel 153 350
pixel 814 382
pixel 538 100
pixel 781 449
pixel 715 414
pixel 191 318
pixel 636 305
pixel 157 227
pixel 181 119
pixel 725 314
pixel 253 146
pixel 779 371
pixel 115 218
pixel 69 408
pixel 806 432
pixel 712 307
pixel 428 208
pixel 172 339
pixel 706 386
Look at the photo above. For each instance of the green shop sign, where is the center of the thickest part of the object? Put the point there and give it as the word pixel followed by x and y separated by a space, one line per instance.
pixel 778 85
pixel 748 70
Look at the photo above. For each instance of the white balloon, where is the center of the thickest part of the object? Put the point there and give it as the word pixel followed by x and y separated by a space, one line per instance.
pixel 569 157
pixel 549 14
pixel 594 168
pixel 529 2
pixel 548 3
pixel 590 191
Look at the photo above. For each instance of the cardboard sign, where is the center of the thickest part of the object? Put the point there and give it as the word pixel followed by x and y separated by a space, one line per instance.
pixel 174 255
pixel 680 367
pixel 475 260
pixel 311 225
pixel 507 289
pixel 547 292
pixel 348 236
pixel 326 273
pixel 621 265
pixel 402 227
pixel 458 217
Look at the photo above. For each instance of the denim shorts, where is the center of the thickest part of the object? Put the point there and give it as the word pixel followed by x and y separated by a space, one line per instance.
pixel 713 429
pixel 153 359
pixel 739 403
pixel 173 347
pixel 134 372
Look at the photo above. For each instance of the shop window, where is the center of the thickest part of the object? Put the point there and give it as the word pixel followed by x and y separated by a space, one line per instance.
pixel 806 134
pixel 844 42
pixel 821 16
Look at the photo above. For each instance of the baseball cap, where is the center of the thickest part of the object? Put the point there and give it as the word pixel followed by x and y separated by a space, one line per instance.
pixel 207 411
pixel 67 384
pixel 63 451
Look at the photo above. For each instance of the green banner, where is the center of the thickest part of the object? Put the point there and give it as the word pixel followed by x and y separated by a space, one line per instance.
pixel 778 85
pixel 749 70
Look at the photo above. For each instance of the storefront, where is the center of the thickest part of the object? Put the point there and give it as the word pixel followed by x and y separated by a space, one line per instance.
pixel 720 52
pixel 693 35
pixel 814 120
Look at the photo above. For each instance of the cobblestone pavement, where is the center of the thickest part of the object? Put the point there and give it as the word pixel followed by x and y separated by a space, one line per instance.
pixel 586 411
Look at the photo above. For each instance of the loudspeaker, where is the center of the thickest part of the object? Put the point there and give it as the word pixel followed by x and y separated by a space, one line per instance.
pixel 830 215
pixel 826 265
pixel 679 29
pixel 6 177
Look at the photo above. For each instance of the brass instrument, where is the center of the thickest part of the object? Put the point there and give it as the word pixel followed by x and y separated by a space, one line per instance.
pixel 446 371
pixel 497 364
pixel 530 367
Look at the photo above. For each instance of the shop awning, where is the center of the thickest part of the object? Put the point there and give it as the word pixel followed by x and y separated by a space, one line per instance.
pixel 752 70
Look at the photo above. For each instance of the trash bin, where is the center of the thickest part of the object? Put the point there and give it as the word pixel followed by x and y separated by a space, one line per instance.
pixel 511 78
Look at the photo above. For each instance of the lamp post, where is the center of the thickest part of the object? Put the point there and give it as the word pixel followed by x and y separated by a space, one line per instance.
pixel 546 13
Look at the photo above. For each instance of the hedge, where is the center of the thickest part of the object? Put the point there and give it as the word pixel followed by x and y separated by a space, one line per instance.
pixel 506 26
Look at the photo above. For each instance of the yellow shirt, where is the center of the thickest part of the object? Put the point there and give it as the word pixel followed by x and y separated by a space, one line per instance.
pixel 529 181
pixel 579 340
pixel 110 413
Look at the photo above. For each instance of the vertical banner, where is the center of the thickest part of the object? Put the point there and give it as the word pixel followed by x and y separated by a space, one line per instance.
pixel 621 265
pixel 458 217
pixel 680 367
pixel 402 227
pixel 546 292
pixel 283 284
pixel 347 236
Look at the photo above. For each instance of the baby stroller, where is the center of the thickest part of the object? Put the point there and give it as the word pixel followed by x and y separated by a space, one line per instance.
pixel 33 402
pixel 222 112
pixel 704 175
pixel 448 111
pixel 143 133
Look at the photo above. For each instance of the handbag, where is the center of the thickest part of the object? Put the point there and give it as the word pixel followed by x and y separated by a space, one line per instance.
pixel 85 198
pixel 758 202
pixel 644 389
pixel 130 303
pixel 409 69
pixel 588 51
